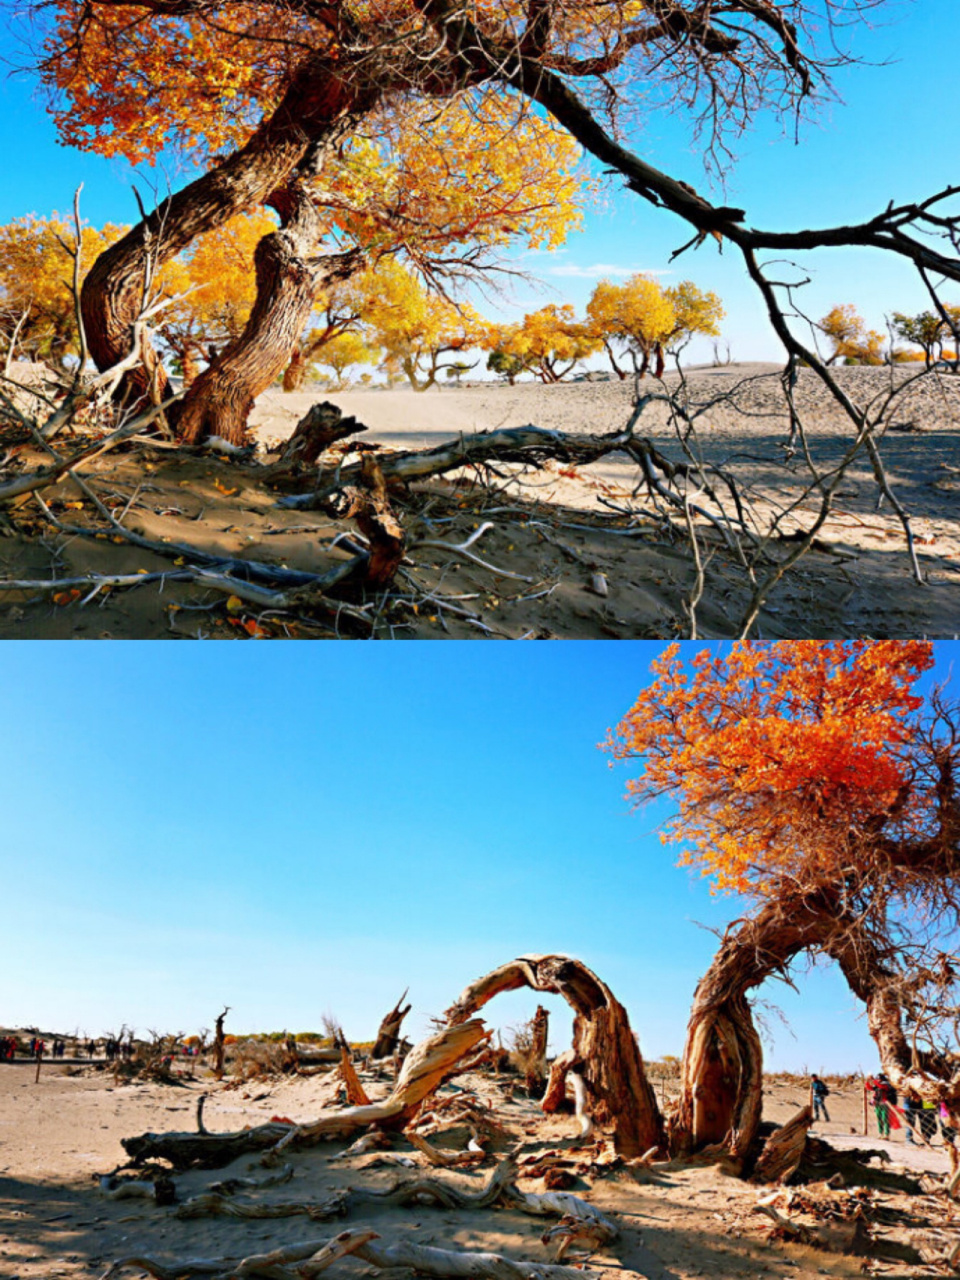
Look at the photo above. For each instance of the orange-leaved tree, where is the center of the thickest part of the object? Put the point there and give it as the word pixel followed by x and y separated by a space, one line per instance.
pixel 815 780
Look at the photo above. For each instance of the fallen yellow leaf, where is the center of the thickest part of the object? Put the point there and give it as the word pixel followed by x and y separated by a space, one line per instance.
pixel 234 604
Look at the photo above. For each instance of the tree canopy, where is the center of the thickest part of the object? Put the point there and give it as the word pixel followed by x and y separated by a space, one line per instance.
pixel 788 761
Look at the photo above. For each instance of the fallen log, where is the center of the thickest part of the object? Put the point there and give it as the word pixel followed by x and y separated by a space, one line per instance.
pixel 605 1052
pixel 426 1067
pixel 533 446
pixel 211 1204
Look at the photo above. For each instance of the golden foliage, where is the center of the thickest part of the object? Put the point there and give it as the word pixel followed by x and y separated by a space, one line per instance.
pixel 36 279
pixel 546 340
pixel 782 757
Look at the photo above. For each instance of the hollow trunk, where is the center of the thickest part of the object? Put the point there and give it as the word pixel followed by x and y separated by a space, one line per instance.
pixel 605 1051
pixel 722 1069
pixel 314 109
pixel 288 276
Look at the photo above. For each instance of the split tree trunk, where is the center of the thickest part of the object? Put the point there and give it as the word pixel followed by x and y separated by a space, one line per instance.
pixel 389 1034
pixel 722 1069
pixel 288 277
pixel 605 1051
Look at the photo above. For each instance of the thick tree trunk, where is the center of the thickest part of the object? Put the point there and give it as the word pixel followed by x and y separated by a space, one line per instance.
pixel 288 277
pixel 722 1070
pixel 605 1050
pixel 315 107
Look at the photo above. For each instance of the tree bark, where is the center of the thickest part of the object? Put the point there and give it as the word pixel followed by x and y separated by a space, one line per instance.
pixel 722 1069
pixel 605 1050
pixel 288 277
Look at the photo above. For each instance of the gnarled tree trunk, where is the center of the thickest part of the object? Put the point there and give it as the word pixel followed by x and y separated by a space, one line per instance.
pixel 288 276
pixel 316 106
pixel 605 1051
pixel 722 1070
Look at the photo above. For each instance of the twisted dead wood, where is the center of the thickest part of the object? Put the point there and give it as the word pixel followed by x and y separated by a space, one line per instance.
pixel 605 1051
pixel 426 1067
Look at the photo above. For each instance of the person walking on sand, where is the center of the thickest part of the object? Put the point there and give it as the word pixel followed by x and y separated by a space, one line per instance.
pixel 818 1095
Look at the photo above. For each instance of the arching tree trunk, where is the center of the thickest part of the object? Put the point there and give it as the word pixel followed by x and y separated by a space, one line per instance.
pixel 605 1051
pixel 722 1070
pixel 315 107
pixel 288 277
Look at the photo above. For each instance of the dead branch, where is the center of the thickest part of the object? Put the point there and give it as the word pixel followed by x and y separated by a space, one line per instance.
pixel 426 1067
pixel 356 1094
pixel 315 1255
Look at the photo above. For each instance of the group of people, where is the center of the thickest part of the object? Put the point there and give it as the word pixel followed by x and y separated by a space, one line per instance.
pixel 920 1118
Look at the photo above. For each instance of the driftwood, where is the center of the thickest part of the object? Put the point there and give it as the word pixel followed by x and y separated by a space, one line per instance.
pixel 314 1256
pixel 605 1052
pixel 783 1150
pixel 426 1067
pixel 211 1204
pixel 388 1036
pixel 440 1159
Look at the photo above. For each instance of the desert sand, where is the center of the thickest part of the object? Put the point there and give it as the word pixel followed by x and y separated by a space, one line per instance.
pixel 556 531
pixel 677 1222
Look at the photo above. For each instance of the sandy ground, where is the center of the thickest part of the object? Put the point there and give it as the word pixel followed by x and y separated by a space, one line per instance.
pixel 687 1221
pixel 555 530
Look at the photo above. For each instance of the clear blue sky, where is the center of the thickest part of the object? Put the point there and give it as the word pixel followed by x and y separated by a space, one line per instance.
pixel 296 829
pixel 890 138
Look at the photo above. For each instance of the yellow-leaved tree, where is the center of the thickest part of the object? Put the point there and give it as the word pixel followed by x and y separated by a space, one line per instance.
pixel 644 320
pixel 550 343
pixel 37 301
pixel 850 339
pixel 415 327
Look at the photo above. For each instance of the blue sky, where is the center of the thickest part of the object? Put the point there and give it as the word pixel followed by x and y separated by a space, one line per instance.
pixel 887 139
pixel 298 829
